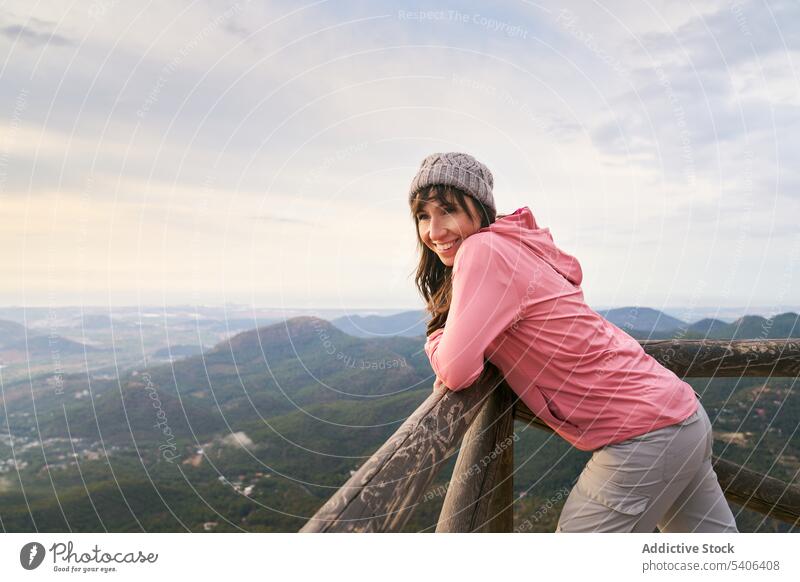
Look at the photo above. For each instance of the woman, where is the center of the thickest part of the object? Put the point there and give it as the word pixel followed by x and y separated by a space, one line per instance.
pixel 499 290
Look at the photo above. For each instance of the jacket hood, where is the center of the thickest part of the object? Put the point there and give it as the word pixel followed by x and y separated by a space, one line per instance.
pixel 521 226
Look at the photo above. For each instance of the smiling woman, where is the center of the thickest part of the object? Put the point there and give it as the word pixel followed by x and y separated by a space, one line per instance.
pixel 445 216
pixel 502 295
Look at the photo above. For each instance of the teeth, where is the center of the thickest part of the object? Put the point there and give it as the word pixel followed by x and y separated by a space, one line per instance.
pixel 447 246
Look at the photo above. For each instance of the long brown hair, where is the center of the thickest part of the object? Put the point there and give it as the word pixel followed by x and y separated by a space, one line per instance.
pixel 434 278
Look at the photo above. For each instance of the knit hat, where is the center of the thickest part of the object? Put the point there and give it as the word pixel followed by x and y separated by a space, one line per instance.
pixel 455 169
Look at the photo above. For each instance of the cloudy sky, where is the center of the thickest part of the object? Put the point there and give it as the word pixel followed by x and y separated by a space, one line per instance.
pixel 260 152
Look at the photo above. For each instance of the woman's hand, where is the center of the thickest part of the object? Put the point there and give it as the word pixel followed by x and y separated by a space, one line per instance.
pixel 438 385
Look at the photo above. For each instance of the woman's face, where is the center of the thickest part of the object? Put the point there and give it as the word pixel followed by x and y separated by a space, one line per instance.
pixel 443 228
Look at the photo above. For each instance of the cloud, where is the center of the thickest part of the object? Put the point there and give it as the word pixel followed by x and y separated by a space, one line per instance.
pixel 16 32
pixel 240 127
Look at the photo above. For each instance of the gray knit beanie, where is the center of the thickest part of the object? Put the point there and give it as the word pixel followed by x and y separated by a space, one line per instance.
pixel 455 169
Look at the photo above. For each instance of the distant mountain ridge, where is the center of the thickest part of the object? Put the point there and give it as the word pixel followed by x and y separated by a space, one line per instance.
pixel 407 324
pixel 18 341
pixel 639 322
pixel 654 326
pixel 11 332
pixel 641 318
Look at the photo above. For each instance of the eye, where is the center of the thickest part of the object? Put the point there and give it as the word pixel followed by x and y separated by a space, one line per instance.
pixel 421 216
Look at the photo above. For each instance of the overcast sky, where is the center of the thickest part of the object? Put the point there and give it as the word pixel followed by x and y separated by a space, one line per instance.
pixel 260 152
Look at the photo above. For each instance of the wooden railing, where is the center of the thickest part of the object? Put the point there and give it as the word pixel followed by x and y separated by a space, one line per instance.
pixel 383 493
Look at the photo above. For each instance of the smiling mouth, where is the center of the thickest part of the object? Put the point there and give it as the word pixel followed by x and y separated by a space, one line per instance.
pixel 446 248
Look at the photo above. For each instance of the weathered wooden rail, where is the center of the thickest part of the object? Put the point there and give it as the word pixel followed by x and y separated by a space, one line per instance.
pixel 384 492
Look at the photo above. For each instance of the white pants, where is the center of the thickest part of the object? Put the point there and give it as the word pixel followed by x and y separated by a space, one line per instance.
pixel 663 478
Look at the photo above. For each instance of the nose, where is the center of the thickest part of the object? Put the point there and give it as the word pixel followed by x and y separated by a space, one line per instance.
pixel 438 228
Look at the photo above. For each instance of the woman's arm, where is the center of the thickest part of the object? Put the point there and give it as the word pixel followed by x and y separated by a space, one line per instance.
pixel 487 298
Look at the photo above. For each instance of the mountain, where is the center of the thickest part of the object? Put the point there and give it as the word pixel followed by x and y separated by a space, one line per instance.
pixel 42 346
pixel 283 339
pixel 17 341
pixel 749 327
pixel 12 332
pixel 709 328
pixel 407 323
pixel 755 326
pixel 642 319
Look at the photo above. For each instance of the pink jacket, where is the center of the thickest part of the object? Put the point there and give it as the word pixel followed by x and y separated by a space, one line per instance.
pixel 517 302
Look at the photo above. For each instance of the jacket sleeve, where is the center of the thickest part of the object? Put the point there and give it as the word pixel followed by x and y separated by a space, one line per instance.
pixel 487 299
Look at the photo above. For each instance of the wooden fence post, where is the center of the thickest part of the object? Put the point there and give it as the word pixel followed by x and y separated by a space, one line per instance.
pixel 481 492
